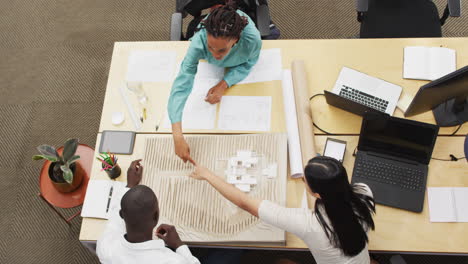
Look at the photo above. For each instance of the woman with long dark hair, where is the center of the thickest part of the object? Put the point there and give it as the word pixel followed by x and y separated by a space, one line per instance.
pixel 336 231
pixel 227 38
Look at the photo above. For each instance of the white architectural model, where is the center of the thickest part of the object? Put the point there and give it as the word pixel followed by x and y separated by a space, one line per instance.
pixel 198 211
pixel 244 169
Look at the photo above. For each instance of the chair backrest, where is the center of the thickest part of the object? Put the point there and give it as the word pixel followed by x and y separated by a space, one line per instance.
pixel 257 10
pixel 195 7
pixel 400 19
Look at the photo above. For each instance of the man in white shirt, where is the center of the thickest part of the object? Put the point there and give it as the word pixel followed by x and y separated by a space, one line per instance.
pixel 128 237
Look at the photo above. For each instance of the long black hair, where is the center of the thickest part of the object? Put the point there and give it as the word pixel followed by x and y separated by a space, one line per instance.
pixel 224 21
pixel 349 211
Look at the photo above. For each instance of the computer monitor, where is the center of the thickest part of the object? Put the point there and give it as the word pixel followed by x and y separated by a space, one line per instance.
pixel 446 96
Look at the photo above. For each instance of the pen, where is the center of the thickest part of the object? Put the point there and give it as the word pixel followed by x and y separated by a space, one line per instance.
pixel 109 199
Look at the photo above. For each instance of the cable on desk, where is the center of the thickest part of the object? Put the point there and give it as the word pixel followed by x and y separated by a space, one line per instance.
pixel 312 97
pixel 315 125
pixel 454 132
pixel 452 158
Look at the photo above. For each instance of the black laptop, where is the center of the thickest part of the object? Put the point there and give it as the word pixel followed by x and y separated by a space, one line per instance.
pixel 393 157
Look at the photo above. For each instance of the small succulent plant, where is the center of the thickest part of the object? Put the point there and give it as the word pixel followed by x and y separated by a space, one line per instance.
pixel 64 161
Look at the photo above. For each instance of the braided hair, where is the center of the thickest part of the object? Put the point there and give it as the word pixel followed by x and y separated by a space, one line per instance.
pixel 225 22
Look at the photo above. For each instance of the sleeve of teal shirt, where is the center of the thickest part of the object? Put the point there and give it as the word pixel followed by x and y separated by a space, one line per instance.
pixel 183 83
pixel 239 72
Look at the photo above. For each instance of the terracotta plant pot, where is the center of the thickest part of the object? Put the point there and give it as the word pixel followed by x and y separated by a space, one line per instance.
pixel 63 186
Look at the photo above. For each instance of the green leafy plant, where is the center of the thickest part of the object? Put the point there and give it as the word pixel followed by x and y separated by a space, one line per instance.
pixel 64 161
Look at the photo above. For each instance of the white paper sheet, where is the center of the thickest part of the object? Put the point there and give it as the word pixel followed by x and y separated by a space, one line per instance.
pixel 461 203
pixel 245 113
pixel 151 66
pixel 268 68
pixel 304 202
pixel 97 198
pixel 294 145
pixel 448 204
pixel 428 63
pixel 209 71
pixel 198 114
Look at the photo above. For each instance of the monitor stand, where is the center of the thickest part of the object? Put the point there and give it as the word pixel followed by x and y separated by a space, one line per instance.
pixel 451 113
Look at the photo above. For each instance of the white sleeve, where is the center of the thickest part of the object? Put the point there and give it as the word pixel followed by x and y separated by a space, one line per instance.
pixel 184 251
pixel 293 220
pixel 115 228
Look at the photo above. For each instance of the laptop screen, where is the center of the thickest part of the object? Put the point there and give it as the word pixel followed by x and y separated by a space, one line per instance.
pixel 398 137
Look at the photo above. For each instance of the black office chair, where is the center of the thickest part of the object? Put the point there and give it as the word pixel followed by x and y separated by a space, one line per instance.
pixel 403 18
pixel 257 10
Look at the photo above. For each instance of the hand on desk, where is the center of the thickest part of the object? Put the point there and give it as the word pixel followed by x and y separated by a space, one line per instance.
pixel 168 233
pixel 214 94
pixel 134 173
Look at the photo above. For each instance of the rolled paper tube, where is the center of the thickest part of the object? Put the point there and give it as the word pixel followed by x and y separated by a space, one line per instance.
pixel 294 145
pixel 303 110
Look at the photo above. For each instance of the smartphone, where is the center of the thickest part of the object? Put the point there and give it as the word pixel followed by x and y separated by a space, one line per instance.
pixel 335 148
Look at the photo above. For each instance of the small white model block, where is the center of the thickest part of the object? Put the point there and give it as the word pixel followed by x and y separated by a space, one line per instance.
pixel 244 154
pixel 270 172
pixel 249 180
pixel 243 187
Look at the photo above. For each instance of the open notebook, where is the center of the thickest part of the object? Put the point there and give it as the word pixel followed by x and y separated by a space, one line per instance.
pixel 102 196
pixel 428 63
pixel 448 204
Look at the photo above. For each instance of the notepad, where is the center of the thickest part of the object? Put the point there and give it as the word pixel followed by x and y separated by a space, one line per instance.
pixel 448 204
pixel 99 200
pixel 428 63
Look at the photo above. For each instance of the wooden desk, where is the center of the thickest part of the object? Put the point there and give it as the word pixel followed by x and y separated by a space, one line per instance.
pixel 396 230
pixel 382 58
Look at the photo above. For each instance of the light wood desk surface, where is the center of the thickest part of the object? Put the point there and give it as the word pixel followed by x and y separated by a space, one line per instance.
pixel 396 230
pixel 382 58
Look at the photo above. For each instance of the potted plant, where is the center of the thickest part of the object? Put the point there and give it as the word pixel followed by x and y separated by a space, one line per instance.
pixel 64 172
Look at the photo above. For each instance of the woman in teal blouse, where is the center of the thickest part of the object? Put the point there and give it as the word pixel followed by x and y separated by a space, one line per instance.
pixel 226 38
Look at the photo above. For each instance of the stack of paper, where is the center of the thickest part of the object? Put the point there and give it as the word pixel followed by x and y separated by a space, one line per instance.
pixel 428 63
pixel 448 204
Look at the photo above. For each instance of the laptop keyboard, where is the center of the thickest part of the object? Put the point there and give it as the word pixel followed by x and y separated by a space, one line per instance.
pixel 386 172
pixel 363 98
